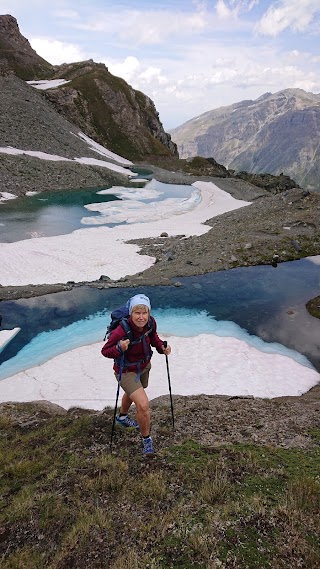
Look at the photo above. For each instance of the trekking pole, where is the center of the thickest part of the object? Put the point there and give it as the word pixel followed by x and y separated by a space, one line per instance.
pixel 117 397
pixel 169 382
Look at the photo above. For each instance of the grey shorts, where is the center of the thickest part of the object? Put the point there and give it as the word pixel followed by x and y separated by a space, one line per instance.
pixel 128 380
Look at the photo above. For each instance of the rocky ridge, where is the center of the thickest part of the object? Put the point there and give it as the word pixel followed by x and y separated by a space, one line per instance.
pixel 109 110
pixel 17 55
pixel 274 133
pixel 274 228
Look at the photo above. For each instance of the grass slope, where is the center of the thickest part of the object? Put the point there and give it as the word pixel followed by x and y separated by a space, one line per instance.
pixel 66 501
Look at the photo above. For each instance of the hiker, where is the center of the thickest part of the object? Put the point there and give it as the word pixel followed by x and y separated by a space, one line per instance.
pixel 135 365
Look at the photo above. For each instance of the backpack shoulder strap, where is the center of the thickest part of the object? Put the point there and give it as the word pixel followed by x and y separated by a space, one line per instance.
pixel 126 326
pixel 151 326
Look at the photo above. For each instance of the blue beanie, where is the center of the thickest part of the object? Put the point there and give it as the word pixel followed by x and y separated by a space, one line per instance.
pixel 138 299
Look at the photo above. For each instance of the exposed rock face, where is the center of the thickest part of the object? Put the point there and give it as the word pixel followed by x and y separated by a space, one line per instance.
pixel 16 53
pixel 275 133
pixel 110 111
pixel 105 107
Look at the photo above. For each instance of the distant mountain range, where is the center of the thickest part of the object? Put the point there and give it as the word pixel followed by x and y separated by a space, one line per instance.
pixel 275 133
pixel 103 106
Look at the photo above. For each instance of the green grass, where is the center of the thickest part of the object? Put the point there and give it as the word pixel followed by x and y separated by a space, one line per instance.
pixel 67 502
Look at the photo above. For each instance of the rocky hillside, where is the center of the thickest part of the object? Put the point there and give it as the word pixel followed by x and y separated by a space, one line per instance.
pixel 103 106
pixel 275 133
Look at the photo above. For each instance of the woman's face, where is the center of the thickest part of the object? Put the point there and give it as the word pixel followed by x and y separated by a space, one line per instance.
pixel 140 316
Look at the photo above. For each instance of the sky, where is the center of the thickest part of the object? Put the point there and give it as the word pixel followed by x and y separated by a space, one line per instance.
pixel 188 56
pixel 236 362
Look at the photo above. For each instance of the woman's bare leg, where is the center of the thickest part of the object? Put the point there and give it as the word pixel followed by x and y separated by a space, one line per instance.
pixel 141 402
pixel 125 404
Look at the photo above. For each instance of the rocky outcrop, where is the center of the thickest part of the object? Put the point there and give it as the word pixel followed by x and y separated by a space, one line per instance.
pixel 199 166
pixel 106 108
pixel 313 307
pixel 272 134
pixel 273 184
pixel 282 422
pixel 17 55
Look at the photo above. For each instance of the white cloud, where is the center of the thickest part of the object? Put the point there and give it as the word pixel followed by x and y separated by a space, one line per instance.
pixel 128 69
pixel 57 52
pixel 133 71
pixel 294 14
pixel 148 27
pixel 66 14
pixel 222 10
pixel 233 8
pixel 152 74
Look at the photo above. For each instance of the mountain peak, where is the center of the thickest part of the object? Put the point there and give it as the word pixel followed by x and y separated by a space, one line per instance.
pixel 17 55
pixel 277 132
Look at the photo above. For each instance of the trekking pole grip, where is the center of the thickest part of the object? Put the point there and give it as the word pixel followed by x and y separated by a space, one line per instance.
pixel 165 343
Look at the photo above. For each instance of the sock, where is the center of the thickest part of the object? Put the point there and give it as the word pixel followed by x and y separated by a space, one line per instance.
pixel 122 416
pixel 147 437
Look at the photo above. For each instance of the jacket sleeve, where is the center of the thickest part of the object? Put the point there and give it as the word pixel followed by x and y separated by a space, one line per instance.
pixel 155 341
pixel 112 348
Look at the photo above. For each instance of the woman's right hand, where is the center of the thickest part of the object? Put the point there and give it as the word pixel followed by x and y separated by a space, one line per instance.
pixel 124 344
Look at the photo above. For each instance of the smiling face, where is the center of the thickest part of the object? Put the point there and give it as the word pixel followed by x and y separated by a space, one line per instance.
pixel 140 315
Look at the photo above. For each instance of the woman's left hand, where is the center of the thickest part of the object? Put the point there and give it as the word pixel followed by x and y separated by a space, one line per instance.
pixel 166 350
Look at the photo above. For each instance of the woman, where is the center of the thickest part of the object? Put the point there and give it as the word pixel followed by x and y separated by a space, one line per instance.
pixel 132 364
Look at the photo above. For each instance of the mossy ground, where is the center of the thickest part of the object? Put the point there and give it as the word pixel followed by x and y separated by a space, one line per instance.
pixel 67 501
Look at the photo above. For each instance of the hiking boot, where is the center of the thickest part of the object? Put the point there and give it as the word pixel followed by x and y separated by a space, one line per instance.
pixel 148 449
pixel 127 422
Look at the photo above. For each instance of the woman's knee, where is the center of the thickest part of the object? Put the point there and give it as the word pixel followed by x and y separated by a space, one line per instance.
pixel 143 406
pixel 141 401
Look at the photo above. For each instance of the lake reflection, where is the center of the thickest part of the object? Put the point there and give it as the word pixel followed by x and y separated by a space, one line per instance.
pixel 46 214
pixel 267 302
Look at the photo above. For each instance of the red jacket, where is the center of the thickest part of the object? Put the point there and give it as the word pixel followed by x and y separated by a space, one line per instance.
pixel 136 352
